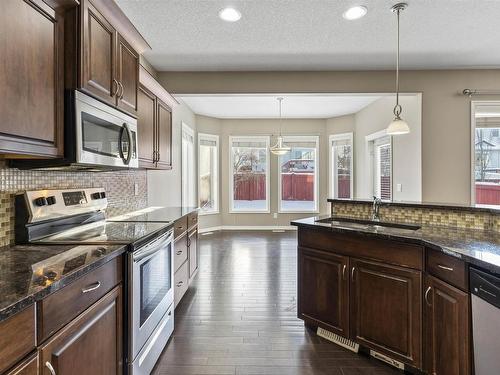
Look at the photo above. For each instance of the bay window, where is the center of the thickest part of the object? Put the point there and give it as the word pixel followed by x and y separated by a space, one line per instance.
pixel 208 173
pixel 298 175
pixel 249 175
pixel 341 166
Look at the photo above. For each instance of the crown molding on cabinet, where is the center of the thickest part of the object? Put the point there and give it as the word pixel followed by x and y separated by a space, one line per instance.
pixel 148 81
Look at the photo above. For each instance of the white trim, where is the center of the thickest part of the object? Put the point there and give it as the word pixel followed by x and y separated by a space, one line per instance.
pixel 212 137
pixel 185 128
pixel 266 139
pixel 473 105
pixel 292 138
pixel 369 158
pixel 338 137
pixel 247 227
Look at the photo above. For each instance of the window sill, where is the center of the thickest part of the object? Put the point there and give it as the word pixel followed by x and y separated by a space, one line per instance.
pixel 208 213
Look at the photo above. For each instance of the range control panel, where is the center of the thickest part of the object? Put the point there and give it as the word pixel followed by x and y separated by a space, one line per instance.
pixel 55 204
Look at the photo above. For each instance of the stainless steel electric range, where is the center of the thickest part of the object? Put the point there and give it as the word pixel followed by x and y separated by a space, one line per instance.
pixel 77 216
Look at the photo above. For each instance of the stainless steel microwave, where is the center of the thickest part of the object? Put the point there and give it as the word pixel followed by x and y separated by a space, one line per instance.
pixel 96 137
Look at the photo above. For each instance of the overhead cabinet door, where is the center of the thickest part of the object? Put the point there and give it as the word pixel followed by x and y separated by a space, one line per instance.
pixel 127 76
pixel 164 134
pixel 98 55
pixel 146 127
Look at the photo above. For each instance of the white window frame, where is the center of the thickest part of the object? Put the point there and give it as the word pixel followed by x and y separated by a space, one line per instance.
pixel 473 107
pixel 293 138
pixel 215 182
pixel 265 139
pixel 331 171
pixel 185 189
pixel 370 157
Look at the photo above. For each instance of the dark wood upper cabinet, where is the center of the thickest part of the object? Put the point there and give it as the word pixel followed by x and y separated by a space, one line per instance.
pixel 154 124
pixel 323 290
pixel 446 329
pixel 32 78
pixel 127 76
pixel 146 127
pixel 91 344
pixel 98 54
pixel 164 136
pixel 386 309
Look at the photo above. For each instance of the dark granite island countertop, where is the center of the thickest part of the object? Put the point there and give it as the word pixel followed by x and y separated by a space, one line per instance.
pixel 30 272
pixel 480 248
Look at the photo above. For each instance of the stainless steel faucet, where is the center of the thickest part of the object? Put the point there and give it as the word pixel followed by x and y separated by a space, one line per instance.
pixel 376 208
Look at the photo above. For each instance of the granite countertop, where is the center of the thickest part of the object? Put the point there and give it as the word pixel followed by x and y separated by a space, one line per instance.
pixel 432 205
pixel 25 275
pixel 480 248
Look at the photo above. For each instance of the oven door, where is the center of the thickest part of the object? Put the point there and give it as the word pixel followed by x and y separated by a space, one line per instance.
pixel 151 289
pixel 104 135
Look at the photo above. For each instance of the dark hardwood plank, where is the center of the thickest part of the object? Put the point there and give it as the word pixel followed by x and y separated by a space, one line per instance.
pixel 240 316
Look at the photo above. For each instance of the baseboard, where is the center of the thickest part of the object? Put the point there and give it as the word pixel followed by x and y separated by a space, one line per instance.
pixel 247 227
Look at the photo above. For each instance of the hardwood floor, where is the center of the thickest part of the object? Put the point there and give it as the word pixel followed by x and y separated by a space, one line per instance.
pixel 240 317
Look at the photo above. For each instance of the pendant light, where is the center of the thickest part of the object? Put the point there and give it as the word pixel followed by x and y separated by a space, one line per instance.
pixel 398 125
pixel 280 148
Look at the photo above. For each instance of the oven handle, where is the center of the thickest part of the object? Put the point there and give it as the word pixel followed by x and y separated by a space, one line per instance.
pixel 153 247
pixel 126 160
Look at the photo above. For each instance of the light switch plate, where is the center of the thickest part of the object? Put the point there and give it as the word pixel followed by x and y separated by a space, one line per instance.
pixel 136 189
pixel 399 187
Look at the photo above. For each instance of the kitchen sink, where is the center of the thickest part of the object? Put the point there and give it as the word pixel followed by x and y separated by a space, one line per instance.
pixel 367 224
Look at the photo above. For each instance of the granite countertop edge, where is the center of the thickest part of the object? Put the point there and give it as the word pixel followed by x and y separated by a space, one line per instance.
pixel 419 239
pixel 30 299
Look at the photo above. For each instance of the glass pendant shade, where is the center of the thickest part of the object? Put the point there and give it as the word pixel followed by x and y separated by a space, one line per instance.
pixel 397 127
pixel 279 148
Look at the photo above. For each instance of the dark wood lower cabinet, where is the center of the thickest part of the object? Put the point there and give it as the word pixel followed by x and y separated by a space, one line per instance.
pixel 323 294
pixel 386 310
pixel 447 329
pixel 91 344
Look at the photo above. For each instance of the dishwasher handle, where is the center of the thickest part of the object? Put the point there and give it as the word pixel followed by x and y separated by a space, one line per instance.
pixel 485 286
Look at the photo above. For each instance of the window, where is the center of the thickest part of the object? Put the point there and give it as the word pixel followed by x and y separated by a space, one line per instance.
pixel 298 181
pixel 485 153
pixel 208 169
pixel 341 166
pixel 249 180
pixel 188 167
pixel 380 153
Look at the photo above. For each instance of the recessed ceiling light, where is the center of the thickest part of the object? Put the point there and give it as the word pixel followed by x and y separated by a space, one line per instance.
pixel 230 15
pixel 355 13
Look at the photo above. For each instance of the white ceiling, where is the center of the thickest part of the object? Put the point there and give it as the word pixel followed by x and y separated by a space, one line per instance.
pixel 187 35
pixel 266 106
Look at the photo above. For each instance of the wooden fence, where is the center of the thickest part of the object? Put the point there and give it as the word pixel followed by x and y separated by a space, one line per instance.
pixel 487 193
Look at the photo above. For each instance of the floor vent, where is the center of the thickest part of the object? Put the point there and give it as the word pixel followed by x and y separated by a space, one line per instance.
pixel 388 360
pixel 339 340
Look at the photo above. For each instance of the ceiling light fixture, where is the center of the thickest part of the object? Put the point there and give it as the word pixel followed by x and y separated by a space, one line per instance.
pixel 230 15
pixel 398 125
pixel 355 13
pixel 279 148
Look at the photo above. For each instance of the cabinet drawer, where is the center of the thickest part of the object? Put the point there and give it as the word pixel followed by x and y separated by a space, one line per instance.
pixel 180 252
pixel 192 219
pixel 64 305
pixel 27 367
pixel 181 282
pixel 447 268
pixel 19 329
pixel 180 227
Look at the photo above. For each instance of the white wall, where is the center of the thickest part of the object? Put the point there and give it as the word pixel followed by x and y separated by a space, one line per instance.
pixel 164 187
pixel 407 154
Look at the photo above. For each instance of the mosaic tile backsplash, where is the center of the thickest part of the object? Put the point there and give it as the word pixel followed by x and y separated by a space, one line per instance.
pixel 119 186
pixel 466 219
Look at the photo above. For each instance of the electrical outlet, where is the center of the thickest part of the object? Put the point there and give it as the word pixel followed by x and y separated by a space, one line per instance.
pixel 136 189
pixel 275 215
pixel 399 187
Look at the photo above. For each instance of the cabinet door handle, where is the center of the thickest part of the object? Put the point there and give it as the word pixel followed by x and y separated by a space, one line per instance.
pixel 116 86
pixel 343 271
pixel 426 296
pixel 92 287
pixel 121 90
pixel 179 252
pixel 445 268
pixel 352 273
pixel 51 369
pixel 180 283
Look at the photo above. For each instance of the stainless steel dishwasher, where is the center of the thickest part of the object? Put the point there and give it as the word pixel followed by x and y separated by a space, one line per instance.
pixel 485 289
